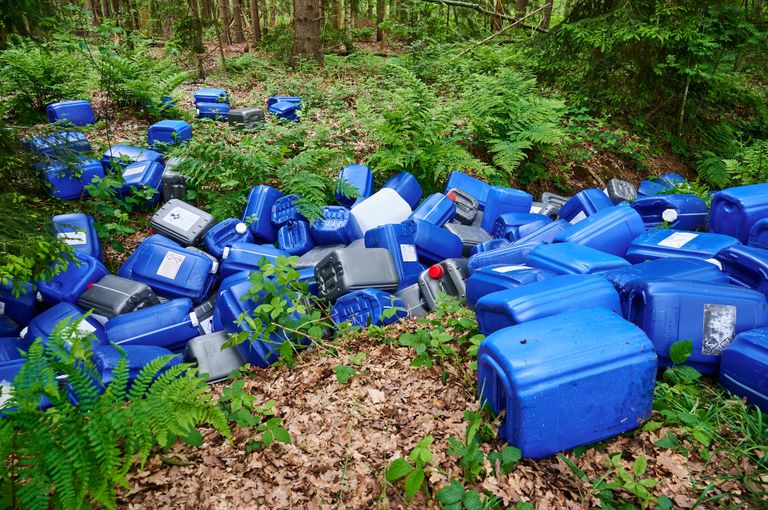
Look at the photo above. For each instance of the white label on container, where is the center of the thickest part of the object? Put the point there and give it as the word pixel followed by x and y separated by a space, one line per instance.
pixel 2 308
pixel 86 327
pixel 719 328
pixel 678 239
pixel 170 265
pixel 133 171
pixel 507 269
pixel 408 251
pixel 581 216
pixel 535 209
pixel 6 391
pixel 181 218
pixel 73 238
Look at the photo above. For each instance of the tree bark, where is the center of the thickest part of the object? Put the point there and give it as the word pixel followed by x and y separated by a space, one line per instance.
pixel 546 16
pixel 255 24
pixel 224 12
pixel 497 22
pixel 272 13
pixel 198 48
pixel 380 5
pixel 307 23
pixel 106 9
pixel 237 16
pixel 520 7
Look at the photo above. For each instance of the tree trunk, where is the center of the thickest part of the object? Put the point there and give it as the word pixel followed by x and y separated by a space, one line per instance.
pixel 520 7
pixel 237 15
pixel 497 22
pixel 307 23
pixel 380 5
pixel 255 24
pixel 198 49
pixel 224 12
pixel 546 16
pixel 106 9
pixel 272 13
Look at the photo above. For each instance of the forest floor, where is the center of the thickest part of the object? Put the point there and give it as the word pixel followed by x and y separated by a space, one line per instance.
pixel 345 435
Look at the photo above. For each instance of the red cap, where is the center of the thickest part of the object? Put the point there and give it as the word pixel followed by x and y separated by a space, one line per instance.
pixel 89 285
pixel 152 231
pixel 452 196
pixel 435 272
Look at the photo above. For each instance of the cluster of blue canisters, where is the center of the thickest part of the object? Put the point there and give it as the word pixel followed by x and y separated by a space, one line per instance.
pixel 580 297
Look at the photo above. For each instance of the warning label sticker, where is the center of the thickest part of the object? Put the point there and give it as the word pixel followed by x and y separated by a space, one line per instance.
pixel 678 239
pixel 719 328
pixel 181 218
pixel 408 251
pixel 170 265
pixel 134 170
pixel 581 216
pixel 73 238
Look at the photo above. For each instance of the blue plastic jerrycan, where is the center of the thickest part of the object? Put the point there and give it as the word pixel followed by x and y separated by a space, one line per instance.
pixel 504 200
pixel 8 327
pixel 406 186
pixel 12 347
pixel 610 230
pixel 569 258
pixel 213 111
pixel 124 154
pixel 664 183
pixel 169 325
pixel 285 110
pixel 295 238
pixel 61 145
pixel 368 306
pixel 230 305
pixel 400 240
pixel 434 244
pixel 492 244
pixel 169 132
pixel 43 325
pixel 584 204
pixel 545 233
pixel 78 112
pixel 476 188
pixel 513 226
pixel 758 234
pixel 336 227
pixel 564 382
pixel 258 213
pixel 296 100
pixel 662 243
pixel 544 298
pixel 106 358
pixel 170 270
pixel 78 276
pixel 437 209
pixel 710 315
pixel 359 177
pixel 68 182
pixel 223 234
pixel 735 210
pixel 746 266
pixel 490 279
pixel 247 256
pixel 19 306
pixel 142 174
pixel 514 253
pixel 285 210
pixel 744 367
pixel 207 95
pixel 682 268
pixel 682 212
pixel 78 231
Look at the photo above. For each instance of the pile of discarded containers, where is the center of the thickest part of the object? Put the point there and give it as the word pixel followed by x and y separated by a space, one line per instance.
pixel 580 297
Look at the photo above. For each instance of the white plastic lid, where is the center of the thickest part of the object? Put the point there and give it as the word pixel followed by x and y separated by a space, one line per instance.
pixel 241 228
pixel 214 266
pixel 193 318
pixel 716 262
pixel 225 253
pixel 23 332
pixel 669 215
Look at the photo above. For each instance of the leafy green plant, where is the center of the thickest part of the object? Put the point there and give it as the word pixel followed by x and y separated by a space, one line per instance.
pixel 455 496
pixel 472 459
pixel 74 455
pixel 413 468
pixel 345 372
pixel 240 407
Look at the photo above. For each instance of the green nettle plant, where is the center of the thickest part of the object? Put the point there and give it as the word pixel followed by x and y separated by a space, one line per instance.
pixel 66 441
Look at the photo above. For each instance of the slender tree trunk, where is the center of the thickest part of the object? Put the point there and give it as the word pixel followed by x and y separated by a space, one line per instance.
pixel 106 9
pixel 347 19
pixel 225 19
pixel 497 22
pixel 380 5
pixel 198 49
pixel 520 7
pixel 237 16
pixel 272 13
pixel 255 24
pixel 307 23
pixel 546 16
